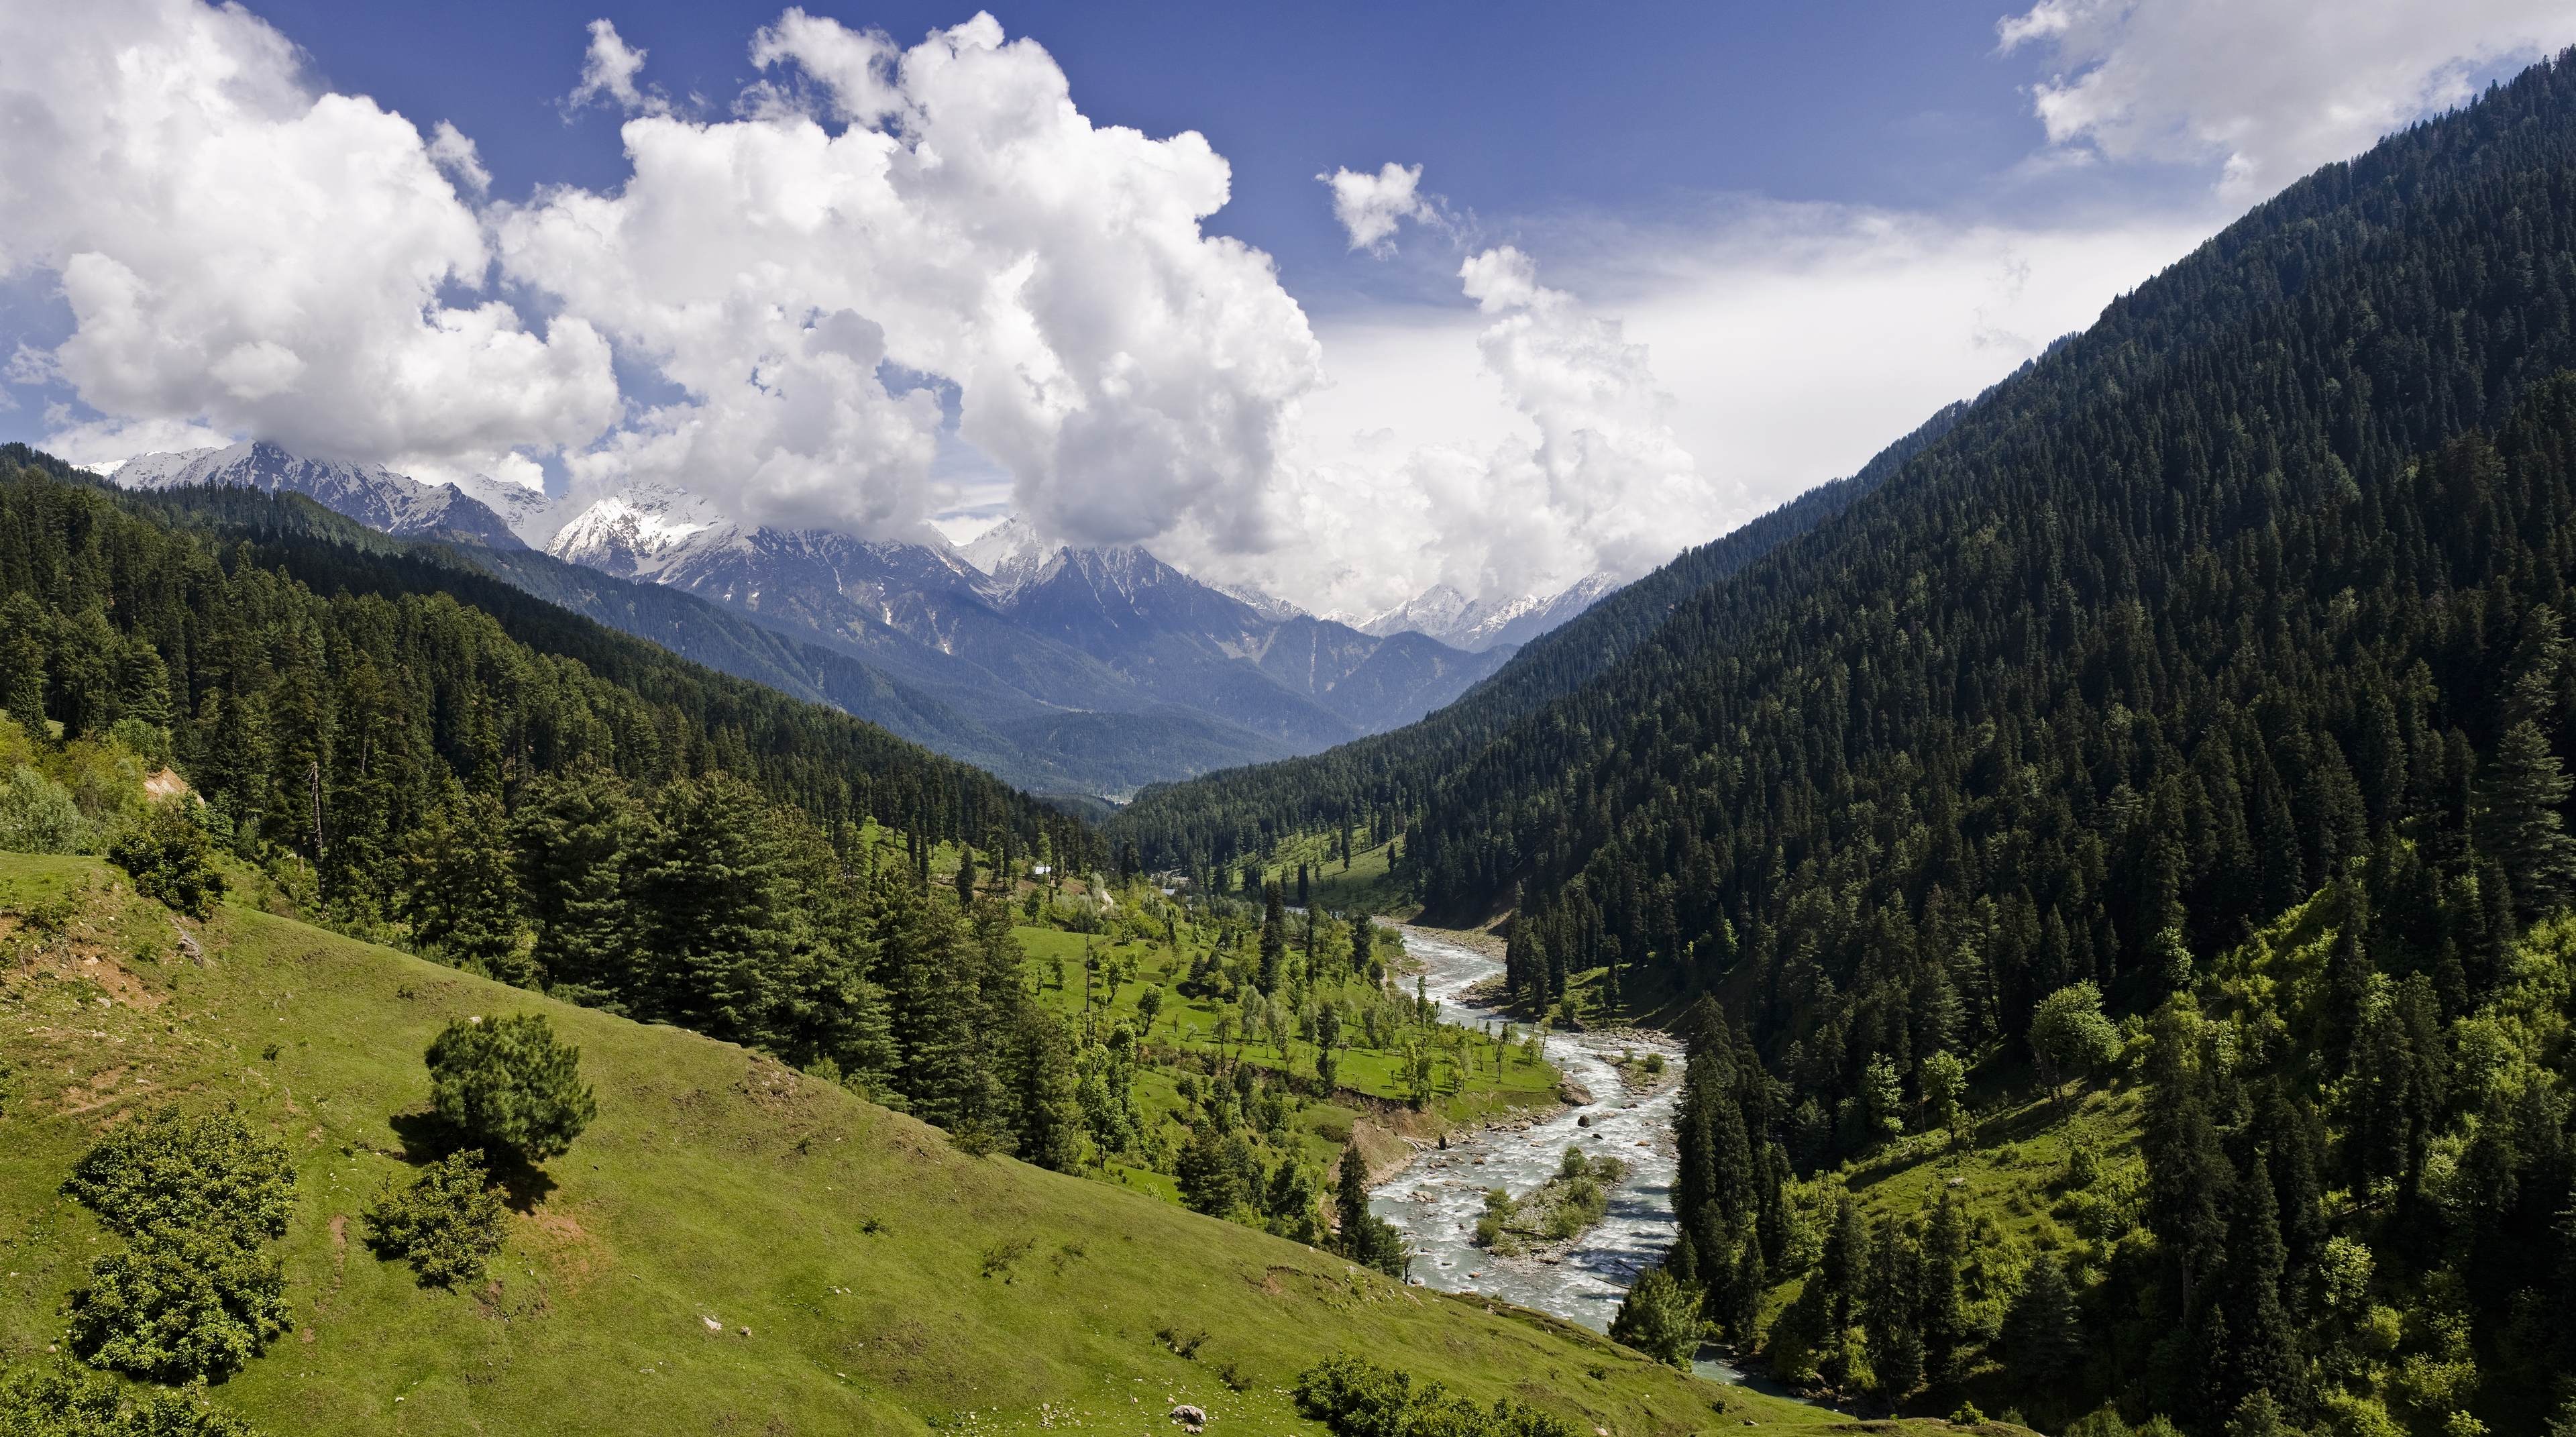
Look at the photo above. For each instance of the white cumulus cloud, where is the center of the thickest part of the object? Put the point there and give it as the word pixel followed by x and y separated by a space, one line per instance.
pixel 608 71
pixel 874 212
pixel 241 255
pixel 1573 470
pixel 2269 89
pixel 1370 207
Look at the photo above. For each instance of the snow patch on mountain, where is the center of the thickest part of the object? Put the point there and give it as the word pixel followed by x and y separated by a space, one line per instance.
pixel 1268 606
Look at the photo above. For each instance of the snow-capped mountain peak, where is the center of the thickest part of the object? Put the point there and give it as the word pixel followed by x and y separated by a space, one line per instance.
pixel 1441 612
pixel 369 493
pixel 1014 553
pixel 633 532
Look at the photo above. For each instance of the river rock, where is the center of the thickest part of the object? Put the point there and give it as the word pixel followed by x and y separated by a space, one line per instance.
pixel 1583 1122
pixel 1574 1093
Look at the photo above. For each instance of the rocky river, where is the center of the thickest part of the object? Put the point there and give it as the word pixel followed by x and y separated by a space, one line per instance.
pixel 1437 1198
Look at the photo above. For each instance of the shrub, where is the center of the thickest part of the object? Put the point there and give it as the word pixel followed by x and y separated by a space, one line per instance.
pixel 179 1304
pixel 191 1295
pixel 446 1221
pixel 1360 1399
pixel 170 859
pixel 506 1083
pixel 66 1401
pixel 1660 1318
pixel 37 815
pixel 208 1173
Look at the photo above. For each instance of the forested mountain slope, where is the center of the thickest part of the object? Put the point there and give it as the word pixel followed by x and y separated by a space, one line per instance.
pixel 198 621
pixel 2240 615
pixel 1373 781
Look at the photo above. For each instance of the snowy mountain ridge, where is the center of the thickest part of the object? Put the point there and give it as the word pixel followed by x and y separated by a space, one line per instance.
pixel 1441 612
pixel 369 493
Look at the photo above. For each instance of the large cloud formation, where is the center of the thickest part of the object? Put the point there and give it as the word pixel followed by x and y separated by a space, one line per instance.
pixel 2268 88
pixel 878 213
pixel 1584 477
pixel 874 242
pixel 242 255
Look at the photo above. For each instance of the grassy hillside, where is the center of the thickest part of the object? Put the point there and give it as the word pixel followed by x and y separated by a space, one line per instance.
pixel 732 1247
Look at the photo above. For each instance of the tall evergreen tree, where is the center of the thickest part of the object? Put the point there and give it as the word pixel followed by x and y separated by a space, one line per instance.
pixel 2042 1337
pixel 2189 1179
pixel 1274 939
pixel 464 902
pixel 1049 1107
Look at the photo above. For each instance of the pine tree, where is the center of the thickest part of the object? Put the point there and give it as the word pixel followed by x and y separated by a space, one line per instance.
pixel 23 630
pixel 1893 1319
pixel 2265 1350
pixel 1210 1172
pixel 2525 791
pixel 1844 1274
pixel 1940 1305
pixel 712 924
pixel 2042 1338
pixel 2189 1179
pixel 1050 1111
pixel 1350 1197
pixel 464 895
pixel 575 836
pixel 1274 939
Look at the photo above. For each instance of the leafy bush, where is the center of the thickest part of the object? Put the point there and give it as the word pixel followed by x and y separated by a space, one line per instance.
pixel 506 1083
pixel 170 858
pixel 208 1173
pixel 191 1295
pixel 37 815
pixel 1361 1399
pixel 446 1221
pixel 178 1304
pixel 65 1401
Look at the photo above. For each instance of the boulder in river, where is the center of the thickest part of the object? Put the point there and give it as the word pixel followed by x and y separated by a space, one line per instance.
pixel 1583 1122
pixel 1574 1093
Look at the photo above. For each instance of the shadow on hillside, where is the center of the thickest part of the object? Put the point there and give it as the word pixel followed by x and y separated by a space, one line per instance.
pixel 426 1138
pixel 523 1186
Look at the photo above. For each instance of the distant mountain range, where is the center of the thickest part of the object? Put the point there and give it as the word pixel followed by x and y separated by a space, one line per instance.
pixel 369 493
pixel 1443 613
pixel 1092 671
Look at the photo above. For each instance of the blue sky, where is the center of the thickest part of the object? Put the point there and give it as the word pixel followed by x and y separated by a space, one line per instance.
pixel 1661 265
pixel 1514 110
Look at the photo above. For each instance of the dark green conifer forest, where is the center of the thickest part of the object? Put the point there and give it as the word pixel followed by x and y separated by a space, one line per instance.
pixel 2193 711
pixel 413 752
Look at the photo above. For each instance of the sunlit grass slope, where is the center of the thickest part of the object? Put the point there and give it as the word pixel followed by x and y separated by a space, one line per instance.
pixel 732 1247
